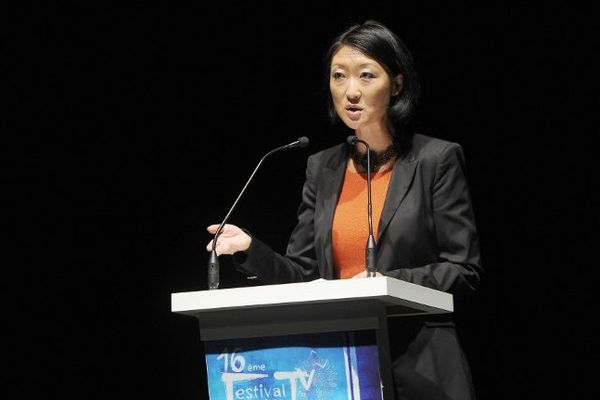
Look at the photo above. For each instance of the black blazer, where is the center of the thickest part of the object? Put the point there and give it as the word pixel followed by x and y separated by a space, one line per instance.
pixel 427 236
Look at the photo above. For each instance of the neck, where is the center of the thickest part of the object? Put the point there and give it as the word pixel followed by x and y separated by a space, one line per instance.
pixel 380 161
pixel 378 139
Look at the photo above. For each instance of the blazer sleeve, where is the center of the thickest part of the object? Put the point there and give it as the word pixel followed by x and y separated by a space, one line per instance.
pixel 299 263
pixel 458 268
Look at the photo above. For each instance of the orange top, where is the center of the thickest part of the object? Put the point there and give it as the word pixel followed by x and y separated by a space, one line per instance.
pixel 350 223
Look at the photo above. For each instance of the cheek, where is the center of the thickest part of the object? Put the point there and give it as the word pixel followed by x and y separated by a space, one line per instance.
pixel 381 99
pixel 337 97
pixel 334 90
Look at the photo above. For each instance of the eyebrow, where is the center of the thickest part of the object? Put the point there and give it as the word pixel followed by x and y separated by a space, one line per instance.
pixel 341 65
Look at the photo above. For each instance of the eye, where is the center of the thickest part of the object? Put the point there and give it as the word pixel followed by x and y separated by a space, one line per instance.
pixel 367 75
pixel 336 76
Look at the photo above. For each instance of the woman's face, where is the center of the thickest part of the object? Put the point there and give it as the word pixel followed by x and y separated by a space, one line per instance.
pixel 360 88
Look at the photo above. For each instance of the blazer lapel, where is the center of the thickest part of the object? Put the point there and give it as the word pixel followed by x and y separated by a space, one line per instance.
pixel 333 176
pixel 402 178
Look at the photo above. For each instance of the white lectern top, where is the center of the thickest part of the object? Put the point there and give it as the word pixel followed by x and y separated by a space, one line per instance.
pixel 394 293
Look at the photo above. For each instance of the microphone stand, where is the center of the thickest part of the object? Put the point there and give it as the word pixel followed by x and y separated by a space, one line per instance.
pixel 370 262
pixel 213 260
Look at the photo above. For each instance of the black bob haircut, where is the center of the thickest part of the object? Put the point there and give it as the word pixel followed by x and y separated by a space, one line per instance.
pixel 378 42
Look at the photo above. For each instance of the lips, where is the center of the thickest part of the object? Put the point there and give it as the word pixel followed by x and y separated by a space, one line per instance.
pixel 353 112
pixel 353 108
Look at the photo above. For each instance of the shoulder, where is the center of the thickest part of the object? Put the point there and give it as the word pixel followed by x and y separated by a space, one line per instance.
pixel 330 157
pixel 430 149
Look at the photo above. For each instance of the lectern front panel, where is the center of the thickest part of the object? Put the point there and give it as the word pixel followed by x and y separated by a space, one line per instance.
pixel 327 366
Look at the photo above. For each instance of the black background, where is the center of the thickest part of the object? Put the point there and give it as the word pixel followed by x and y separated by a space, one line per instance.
pixel 131 126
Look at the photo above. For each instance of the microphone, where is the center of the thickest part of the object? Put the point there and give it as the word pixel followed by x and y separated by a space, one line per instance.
pixel 370 266
pixel 213 261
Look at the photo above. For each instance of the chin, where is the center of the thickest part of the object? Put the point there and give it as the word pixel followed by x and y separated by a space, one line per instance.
pixel 351 124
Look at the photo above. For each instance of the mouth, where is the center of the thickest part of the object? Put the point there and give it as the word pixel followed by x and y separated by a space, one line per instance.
pixel 353 108
pixel 353 112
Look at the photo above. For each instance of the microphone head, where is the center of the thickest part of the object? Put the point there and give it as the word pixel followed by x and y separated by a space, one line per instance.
pixel 351 140
pixel 303 141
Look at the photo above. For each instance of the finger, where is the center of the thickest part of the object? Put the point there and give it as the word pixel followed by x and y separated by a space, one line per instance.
pixel 223 249
pixel 212 228
pixel 218 248
pixel 225 230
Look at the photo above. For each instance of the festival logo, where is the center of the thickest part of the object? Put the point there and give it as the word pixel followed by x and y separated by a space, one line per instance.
pixel 327 366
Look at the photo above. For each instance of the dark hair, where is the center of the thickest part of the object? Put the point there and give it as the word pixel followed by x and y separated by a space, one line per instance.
pixel 381 44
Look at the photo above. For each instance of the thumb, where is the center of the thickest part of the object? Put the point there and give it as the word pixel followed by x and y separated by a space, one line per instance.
pixel 212 228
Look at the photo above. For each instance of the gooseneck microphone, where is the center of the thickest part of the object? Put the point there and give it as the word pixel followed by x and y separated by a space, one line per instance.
pixel 213 261
pixel 370 264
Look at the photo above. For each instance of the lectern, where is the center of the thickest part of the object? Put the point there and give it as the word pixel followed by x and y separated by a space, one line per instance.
pixel 325 339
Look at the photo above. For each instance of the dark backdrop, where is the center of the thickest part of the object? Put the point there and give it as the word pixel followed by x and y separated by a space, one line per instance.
pixel 131 126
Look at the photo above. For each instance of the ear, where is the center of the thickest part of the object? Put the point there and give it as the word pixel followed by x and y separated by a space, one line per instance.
pixel 397 84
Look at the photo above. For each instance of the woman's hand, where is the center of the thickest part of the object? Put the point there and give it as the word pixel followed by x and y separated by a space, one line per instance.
pixel 231 239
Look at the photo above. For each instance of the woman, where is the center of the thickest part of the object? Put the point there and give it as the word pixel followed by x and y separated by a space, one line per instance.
pixel 422 215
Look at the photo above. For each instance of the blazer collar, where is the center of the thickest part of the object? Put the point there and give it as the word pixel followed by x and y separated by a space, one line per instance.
pixel 400 182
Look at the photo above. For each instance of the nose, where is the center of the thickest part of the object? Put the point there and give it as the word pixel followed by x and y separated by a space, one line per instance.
pixel 353 92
